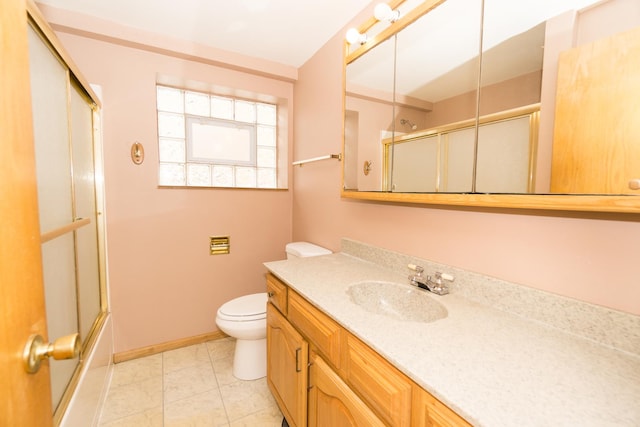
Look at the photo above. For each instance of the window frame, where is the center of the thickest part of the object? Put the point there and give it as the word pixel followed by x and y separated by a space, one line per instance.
pixel 189 141
pixel 265 160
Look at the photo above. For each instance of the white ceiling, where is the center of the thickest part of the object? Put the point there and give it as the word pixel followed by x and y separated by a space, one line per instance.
pixel 284 31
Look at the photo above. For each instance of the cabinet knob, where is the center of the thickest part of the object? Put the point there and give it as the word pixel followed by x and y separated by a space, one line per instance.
pixel 634 184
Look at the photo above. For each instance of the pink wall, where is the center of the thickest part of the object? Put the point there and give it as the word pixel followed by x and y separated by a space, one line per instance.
pixel 164 284
pixel 368 146
pixel 517 92
pixel 590 257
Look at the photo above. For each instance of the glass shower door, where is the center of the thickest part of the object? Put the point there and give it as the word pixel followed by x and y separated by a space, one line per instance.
pixel 63 133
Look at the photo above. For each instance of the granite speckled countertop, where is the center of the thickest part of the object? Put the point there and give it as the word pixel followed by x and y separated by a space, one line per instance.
pixel 490 366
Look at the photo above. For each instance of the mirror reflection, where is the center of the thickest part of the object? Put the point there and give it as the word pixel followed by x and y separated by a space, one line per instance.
pixel 521 115
pixel 369 113
pixel 437 66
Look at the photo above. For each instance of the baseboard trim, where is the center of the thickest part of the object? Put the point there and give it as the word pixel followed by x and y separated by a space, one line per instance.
pixel 169 345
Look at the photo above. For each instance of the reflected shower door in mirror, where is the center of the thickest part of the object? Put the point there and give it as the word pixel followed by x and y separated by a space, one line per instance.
pixel 521 45
pixel 436 85
pixel 552 111
pixel 503 160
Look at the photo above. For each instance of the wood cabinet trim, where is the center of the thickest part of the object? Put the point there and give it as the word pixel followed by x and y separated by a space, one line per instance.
pixel 277 293
pixel 380 384
pixel 341 406
pixel 428 411
pixel 321 331
pixel 288 384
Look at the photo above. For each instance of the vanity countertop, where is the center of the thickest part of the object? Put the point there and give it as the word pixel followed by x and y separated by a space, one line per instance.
pixel 492 367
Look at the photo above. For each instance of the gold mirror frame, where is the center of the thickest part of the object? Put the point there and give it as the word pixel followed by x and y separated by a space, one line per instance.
pixel 559 202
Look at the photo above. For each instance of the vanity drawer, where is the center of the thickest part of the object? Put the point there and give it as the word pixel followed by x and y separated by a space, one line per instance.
pixel 385 389
pixel 322 332
pixel 277 292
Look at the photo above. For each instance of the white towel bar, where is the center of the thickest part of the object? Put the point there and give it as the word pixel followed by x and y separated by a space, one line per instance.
pixel 316 159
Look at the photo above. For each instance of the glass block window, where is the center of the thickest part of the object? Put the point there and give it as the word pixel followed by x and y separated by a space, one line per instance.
pixel 208 140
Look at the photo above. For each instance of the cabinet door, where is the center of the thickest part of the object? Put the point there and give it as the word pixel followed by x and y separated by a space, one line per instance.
pixel 322 332
pixel 596 146
pixel 430 412
pixel 332 403
pixel 277 292
pixel 382 386
pixel 287 360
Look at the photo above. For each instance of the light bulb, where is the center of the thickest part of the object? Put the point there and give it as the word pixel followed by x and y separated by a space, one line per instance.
pixel 353 36
pixel 383 12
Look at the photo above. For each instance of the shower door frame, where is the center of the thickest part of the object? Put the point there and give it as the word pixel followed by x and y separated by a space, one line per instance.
pixel 76 82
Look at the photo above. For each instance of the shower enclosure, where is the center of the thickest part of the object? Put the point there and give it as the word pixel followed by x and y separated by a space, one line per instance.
pixel 70 193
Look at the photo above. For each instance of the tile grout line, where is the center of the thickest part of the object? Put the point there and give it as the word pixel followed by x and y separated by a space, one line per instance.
pixel 215 374
pixel 218 356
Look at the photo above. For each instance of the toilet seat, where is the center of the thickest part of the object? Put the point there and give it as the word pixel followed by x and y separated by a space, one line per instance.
pixel 245 308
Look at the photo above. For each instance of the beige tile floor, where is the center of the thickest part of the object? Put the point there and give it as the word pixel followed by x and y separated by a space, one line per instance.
pixel 191 386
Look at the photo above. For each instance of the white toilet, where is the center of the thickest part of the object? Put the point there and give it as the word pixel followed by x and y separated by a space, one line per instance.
pixel 245 319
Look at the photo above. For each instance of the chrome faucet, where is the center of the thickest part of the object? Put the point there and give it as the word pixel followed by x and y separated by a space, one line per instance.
pixel 417 279
pixel 435 285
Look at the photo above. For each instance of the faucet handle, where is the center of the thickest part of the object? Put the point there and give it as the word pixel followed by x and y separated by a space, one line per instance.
pixel 445 276
pixel 416 268
pixel 439 277
pixel 440 288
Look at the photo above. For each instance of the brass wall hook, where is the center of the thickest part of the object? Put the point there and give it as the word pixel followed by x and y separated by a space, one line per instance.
pixel 137 153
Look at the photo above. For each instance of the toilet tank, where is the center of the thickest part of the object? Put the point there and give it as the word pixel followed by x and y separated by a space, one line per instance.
pixel 304 249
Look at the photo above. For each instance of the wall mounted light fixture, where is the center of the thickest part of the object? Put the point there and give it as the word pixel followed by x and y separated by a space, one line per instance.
pixel 383 12
pixel 366 168
pixel 137 153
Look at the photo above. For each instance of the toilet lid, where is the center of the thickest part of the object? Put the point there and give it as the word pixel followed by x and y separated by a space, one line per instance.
pixel 245 308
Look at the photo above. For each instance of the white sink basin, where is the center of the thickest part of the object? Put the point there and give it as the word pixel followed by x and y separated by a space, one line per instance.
pixel 401 302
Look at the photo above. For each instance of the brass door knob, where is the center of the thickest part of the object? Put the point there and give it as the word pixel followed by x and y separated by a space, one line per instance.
pixel 36 350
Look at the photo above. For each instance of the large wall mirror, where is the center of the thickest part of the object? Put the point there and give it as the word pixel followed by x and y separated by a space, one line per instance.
pixel 497 103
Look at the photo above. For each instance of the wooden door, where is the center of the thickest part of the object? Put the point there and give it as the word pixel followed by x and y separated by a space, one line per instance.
pixel 333 403
pixel 287 360
pixel 596 147
pixel 25 399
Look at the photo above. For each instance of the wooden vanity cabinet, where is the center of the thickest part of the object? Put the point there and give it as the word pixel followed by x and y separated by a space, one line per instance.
pixel 323 333
pixel 346 382
pixel 333 403
pixel 430 412
pixel 277 293
pixel 287 362
pixel 382 386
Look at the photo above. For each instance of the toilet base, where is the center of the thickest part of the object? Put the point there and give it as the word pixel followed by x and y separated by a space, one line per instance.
pixel 250 359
